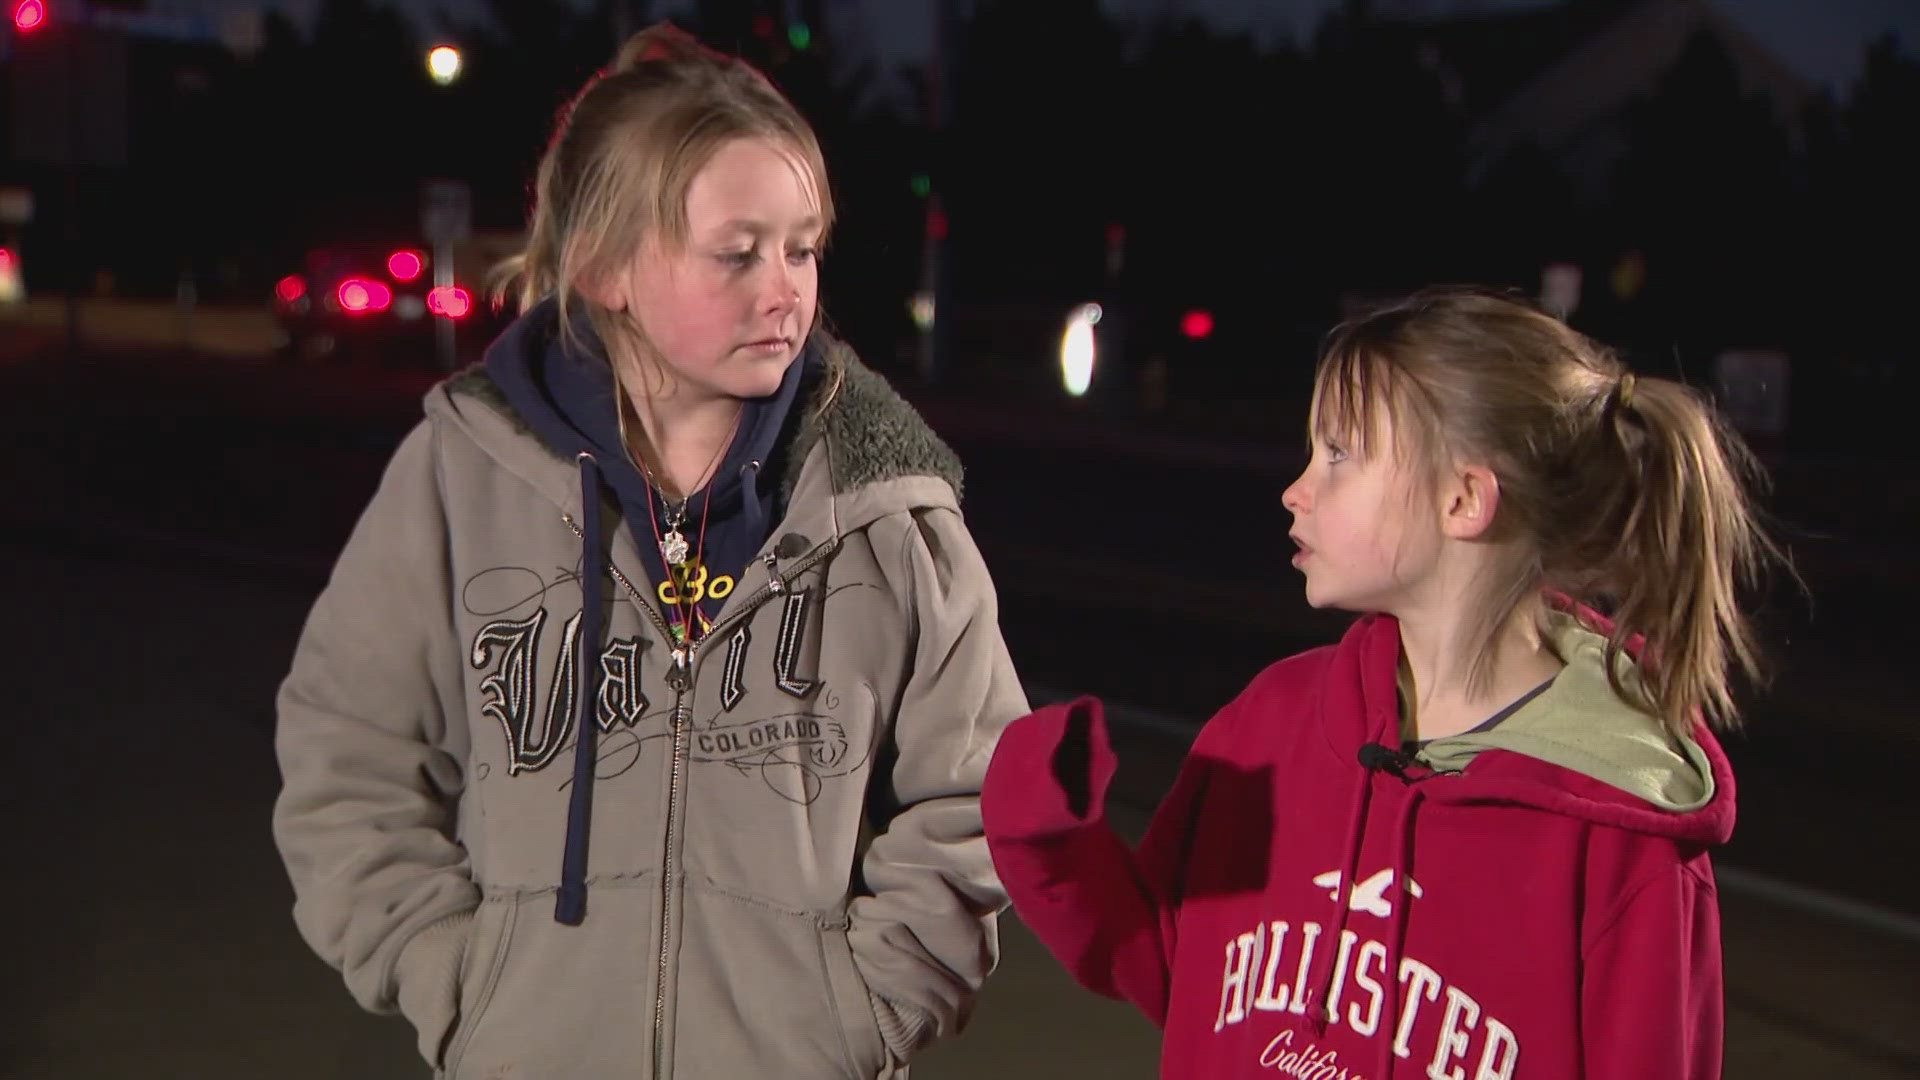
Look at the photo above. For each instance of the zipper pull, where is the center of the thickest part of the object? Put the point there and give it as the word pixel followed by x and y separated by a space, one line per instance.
pixel 680 674
pixel 791 546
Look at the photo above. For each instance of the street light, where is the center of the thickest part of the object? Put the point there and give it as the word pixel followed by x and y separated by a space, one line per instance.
pixel 443 63
pixel 1078 349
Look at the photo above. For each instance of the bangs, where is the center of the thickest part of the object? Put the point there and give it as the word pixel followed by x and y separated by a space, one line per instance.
pixel 1354 397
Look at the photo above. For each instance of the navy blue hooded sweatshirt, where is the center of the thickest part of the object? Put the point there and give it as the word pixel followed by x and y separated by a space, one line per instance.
pixel 566 395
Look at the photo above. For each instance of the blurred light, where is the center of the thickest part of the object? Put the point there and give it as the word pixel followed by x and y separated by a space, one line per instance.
pixel 1629 275
pixel 1560 289
pixel 443 63
pixel 1077 349
pixel 763 26
pixel 800 35
pixel 11 289
pixel 405 265
pixel 1197 324
pixel 290 288
pixel 409 307
pixel 921 307
pixel 450 300
pixel 922 184
pixel 936 224
pixel 359 296
pixel 29 15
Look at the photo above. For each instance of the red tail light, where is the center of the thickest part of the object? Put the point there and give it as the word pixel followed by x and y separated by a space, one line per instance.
pixel 405 265
pixel 290 288
pixel 29 15
pixel 1197 324
pixel 358 296
pixel 450 300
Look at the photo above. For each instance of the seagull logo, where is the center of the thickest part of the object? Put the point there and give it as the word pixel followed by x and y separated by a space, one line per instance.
pixel 1370 895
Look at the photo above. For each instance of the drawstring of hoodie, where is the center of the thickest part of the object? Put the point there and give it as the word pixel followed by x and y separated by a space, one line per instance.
pixel 1323 972
pixel 1321 981
pixel 1397 923
pixel 750 494
pixel 1373 758
pixel 570 904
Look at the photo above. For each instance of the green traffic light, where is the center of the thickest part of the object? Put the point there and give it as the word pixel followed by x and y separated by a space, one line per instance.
pixel 922 184
pixel 799 35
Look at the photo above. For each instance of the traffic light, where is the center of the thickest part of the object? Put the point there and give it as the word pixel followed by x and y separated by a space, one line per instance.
pixel 29 15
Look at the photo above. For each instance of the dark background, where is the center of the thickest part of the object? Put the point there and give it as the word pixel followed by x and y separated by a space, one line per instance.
pixel 1712 197
pixel 176 481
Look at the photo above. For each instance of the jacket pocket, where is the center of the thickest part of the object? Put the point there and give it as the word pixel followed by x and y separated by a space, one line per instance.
pixel 853 1004
pixel 564 1001
pixel 764 990
pixel 480 973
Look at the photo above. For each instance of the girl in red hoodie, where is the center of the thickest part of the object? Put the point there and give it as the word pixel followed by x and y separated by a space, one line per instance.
pixel 1469 842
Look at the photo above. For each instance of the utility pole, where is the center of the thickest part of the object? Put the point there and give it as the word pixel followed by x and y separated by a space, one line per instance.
pixel 86 127
pixel 933 302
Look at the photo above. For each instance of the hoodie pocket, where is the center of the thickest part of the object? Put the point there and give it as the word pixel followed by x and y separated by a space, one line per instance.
pixel 866 1049
pixel 769 991
pixel 565 1001
pixel 480 973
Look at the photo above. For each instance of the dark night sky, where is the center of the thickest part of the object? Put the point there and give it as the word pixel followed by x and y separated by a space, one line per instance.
pixel 1821 39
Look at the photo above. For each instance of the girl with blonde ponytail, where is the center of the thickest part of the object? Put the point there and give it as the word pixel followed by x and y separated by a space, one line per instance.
pixel 641 728
pixel 1472 839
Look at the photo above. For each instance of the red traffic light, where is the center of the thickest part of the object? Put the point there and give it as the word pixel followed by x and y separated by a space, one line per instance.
pixel 290 288
pixel 29 15
pixel 449 300
pixel 358 296
pixel 405 265
pixel 1197 324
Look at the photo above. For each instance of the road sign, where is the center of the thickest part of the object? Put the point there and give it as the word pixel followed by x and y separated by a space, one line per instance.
pixel 1752 388
pixel 446 211
pixel 16 205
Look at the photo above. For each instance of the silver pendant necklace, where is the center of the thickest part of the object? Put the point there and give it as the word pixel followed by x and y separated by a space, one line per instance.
pixel 673 546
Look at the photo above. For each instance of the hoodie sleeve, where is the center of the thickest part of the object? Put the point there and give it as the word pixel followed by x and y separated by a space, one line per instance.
pixel 364 820
pixel 1651 982
pixel 1106 912
pixel 925 938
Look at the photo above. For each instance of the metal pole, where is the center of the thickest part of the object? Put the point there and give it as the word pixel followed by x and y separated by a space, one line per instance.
pixel 933 278
pixel 76 265
pixel 443 324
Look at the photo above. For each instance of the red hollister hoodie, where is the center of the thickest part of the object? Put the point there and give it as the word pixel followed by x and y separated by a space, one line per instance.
pixel 1533 899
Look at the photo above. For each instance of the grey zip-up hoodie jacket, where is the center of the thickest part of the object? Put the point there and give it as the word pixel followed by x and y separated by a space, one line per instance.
pixel 786 874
